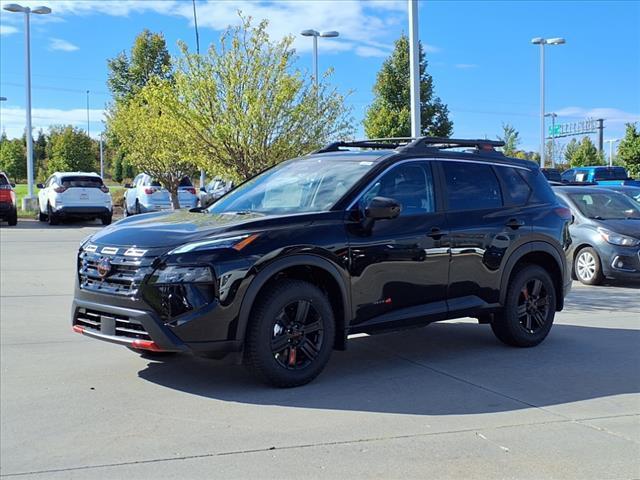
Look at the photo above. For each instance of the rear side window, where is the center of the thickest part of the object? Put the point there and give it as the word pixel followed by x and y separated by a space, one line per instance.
pixel 613 173
pixel 541 190
pixel 82 182
pixel 471 186
pixel 517 191
pixel 3 180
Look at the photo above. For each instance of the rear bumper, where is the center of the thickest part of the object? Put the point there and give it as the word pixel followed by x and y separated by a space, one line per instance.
pixel 7 209
pixel 87 211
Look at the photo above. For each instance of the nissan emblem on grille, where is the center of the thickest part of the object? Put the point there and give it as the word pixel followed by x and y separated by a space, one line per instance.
pixel 104 267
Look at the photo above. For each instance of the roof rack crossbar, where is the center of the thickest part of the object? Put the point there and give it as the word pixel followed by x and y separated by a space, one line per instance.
pixel 414 145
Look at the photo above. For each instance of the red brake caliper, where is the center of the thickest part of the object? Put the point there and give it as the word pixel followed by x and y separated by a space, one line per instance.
pixel 292 356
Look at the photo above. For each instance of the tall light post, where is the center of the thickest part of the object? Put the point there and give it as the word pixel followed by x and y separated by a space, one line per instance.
pixel 315 34
pixel 28 201
pixel 414 68
pixel 88 135
pixel 553 136
pixel 611 141
pixel 542 42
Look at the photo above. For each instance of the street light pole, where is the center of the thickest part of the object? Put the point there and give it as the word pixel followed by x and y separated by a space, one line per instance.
pixel 414 68
pixel 88 135
pixel 611 141
pixel 315 34
pixel 553 137
pixel 542 42
pixel 27 202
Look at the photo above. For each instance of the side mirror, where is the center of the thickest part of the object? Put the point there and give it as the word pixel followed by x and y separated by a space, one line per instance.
pixel 40 185
pixel 382 208
pixel 127 185
pixel 13 185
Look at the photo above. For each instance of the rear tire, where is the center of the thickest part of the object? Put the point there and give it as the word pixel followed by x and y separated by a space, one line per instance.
pixel 12 220
pixel 291 334
pixel 106 219
pixel 42 217
pixel 529 309
pixel 52 217
pixel 587 266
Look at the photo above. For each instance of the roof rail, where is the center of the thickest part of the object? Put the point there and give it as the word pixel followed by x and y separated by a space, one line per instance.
pixel 413 144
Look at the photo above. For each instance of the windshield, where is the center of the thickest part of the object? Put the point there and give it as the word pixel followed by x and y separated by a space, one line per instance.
pixel 615 173
pixel 295 186
pixel 605 205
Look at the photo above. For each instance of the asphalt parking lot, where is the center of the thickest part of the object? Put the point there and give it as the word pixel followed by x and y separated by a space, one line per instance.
pixel 445 401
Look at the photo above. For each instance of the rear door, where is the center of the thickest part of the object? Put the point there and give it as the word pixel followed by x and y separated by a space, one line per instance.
pixel 486 220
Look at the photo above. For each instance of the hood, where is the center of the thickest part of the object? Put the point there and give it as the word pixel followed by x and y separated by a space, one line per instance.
pixel 167 229
pixel 630 228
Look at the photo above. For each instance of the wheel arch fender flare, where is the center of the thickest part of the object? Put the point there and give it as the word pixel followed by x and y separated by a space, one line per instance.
pixel 277 266
pixel 521 252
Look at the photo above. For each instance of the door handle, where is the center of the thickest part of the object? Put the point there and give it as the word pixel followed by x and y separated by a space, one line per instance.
pixel 514 223
pixel 435 233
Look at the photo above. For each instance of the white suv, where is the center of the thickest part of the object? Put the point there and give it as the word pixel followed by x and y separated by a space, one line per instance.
pixel 74 194
pixel 145 195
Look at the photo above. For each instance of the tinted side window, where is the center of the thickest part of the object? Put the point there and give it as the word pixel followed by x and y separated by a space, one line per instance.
pixel 517 190
pixel 411 184
pixel 542 192
pixel 568 176
pixel 3 180
pixel 471 186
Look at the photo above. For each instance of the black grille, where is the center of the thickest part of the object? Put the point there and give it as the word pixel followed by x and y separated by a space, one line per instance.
pixel 110 324
pixel 124 278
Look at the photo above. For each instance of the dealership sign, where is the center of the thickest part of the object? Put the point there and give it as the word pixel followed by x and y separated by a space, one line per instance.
pixel 584 127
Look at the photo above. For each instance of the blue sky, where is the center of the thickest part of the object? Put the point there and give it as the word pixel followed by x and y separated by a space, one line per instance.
pixel 479 54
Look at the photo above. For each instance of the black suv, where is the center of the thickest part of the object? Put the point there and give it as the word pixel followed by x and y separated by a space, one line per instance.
pixel 364 236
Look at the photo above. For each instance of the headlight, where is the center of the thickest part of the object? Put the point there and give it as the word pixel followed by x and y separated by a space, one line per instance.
pixel 617 238
pixel 237 243
pixel 178 274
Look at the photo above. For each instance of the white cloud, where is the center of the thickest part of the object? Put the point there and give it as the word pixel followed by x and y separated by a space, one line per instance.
pixel 7 30
pixel 466 66
pixel 12 119
pixel 62 45
pixel 363 26
pixel 612 116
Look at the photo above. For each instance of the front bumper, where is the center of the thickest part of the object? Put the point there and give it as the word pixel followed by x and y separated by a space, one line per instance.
pixel 139 329
pixel 620 262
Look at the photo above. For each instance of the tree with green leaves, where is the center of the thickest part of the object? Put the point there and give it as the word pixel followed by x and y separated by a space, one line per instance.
pixel 629 150
pixel 148 131
pixel 13 159
pixel 71 150
pixel 585 154
pixel 149 58
pixel 390 113
pixel 245 106
pixel 511 138
pixel 570 150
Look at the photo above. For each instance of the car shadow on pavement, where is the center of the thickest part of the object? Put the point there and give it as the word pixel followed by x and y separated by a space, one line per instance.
pixel 443 369
pixel 66 224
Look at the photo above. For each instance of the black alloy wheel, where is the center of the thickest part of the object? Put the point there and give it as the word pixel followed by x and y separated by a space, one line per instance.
pixel 297 335
pixel 530 306
pixel 290 335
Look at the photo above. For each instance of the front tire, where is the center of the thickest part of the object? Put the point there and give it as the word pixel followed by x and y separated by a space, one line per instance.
pixel 587 267
pixel 291 334
pixel 529 309
pixel 106 219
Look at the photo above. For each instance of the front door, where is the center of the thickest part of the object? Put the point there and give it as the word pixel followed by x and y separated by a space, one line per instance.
pixel 399 267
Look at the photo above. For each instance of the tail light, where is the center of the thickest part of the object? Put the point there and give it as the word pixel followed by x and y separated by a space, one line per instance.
pixel 191 190
pixel 60 189
pixel 563 212
pixel 149 190
pixel 104 189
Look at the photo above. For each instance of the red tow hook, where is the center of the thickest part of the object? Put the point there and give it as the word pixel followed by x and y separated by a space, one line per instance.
pixel 147 345
pixel 78 328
